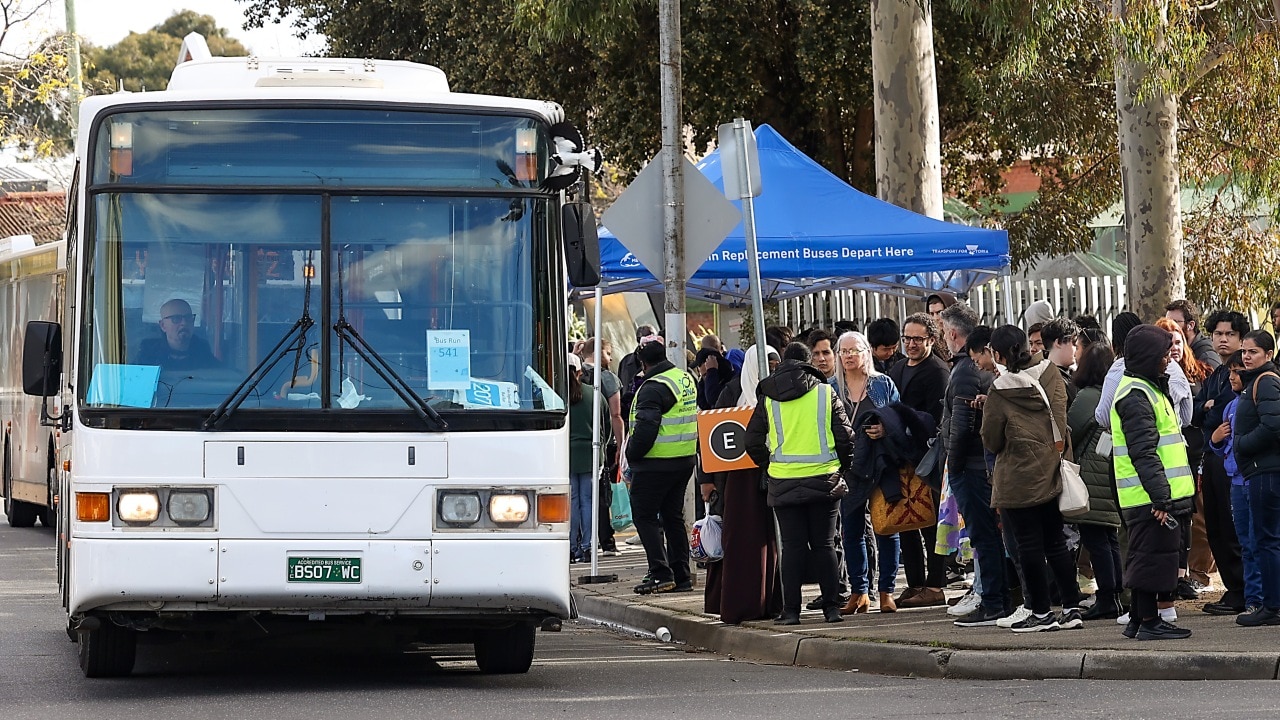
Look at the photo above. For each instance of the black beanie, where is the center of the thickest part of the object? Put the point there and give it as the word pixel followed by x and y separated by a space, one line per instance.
pixel 1144 348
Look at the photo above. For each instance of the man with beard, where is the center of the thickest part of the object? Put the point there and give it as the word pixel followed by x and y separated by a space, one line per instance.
pixel 921 379
pixel 180 349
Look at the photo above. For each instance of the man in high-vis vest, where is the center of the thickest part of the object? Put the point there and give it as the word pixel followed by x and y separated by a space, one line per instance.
pixel 661 451
pixel 800 432
pixel 1154 481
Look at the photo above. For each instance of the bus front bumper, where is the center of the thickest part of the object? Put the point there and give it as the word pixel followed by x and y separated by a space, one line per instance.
pixel 449 576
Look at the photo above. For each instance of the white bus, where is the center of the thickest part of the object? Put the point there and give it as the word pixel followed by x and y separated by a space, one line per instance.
pixel 31 288
pixel 313 361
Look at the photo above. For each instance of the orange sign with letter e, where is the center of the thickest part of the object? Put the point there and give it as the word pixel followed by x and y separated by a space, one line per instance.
pixel 722 438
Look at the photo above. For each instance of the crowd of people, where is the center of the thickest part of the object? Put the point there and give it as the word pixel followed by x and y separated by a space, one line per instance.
pixel 881 450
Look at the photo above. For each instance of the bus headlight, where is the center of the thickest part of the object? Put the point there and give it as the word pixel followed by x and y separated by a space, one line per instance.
pixel 460 508
pixel 138 507
pixel 189 508
pixel 508 509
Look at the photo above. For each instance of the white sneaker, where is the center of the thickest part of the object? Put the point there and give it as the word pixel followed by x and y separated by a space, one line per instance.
pixel 1123 619
pixel 970 602
pixel 1022 613
pixel 1089 601
pixel 633 540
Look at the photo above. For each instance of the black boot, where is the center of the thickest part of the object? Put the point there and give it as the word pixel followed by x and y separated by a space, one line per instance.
pixel 789 617
pixel 831 614
pixel 1104 608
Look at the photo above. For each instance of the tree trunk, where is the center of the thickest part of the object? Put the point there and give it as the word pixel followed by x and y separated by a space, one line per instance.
pixel 1148 135
pixel 908 146
pixel 864 150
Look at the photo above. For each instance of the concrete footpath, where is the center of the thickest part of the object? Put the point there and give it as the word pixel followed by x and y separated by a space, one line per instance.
pixel 924 643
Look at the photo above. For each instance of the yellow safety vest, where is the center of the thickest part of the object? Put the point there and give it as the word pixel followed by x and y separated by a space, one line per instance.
pixel 678 433
pixel 800 438
pixel 1171 448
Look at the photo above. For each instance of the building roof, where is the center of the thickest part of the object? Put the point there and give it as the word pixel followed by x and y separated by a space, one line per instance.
pixel 40 214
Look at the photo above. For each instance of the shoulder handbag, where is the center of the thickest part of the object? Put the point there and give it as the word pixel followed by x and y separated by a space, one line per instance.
pixel 1074 499
pixel 914 511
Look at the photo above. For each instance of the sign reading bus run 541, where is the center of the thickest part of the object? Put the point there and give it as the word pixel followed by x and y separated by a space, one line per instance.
pixel 722 436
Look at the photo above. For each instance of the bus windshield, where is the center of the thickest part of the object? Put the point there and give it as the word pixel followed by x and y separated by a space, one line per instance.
pixel 191 289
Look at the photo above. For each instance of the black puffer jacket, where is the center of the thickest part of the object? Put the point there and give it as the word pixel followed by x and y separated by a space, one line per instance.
pixel 1257 428
pixel 793 380
pixel 960 422
pixel 1095 469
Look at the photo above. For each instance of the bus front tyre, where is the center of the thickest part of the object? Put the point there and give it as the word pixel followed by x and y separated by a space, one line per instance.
pixel 506 651
pixel 107 650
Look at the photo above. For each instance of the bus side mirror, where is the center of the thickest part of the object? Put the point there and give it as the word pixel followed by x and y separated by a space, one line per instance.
pixel 42 358
pixel 581 244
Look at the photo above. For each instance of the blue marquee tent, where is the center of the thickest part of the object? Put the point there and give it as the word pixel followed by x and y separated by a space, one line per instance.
pixel 816 232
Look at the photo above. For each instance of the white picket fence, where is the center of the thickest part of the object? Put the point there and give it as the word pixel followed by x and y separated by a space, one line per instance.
pixel 1102 297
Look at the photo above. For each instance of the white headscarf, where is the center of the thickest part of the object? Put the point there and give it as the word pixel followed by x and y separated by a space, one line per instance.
pixel 750 377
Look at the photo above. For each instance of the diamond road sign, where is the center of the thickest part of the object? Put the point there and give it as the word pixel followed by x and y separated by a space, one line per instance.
pixel 636 217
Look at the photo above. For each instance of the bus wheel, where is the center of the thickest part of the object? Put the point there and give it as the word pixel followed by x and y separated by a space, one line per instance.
pixel 507 651
pixel 21 514
pixel 108 650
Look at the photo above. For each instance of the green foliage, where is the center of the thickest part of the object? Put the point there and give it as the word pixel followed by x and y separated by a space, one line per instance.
pixel 144 61
pixel 36 117
pixel 1216 58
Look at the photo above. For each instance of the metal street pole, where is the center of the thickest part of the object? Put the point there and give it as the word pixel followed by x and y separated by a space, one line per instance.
pixel 673 278
pixel 73 63
pixel 596 433
pixel 672 179
pixel 753 259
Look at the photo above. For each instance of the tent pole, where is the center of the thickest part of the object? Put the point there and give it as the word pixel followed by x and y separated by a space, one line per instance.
pixel 1006 288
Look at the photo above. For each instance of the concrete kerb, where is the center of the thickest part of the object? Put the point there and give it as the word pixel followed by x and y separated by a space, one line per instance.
pixel 881 658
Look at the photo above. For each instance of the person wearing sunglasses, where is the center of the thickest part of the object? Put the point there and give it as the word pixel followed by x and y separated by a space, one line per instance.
pixel 179 349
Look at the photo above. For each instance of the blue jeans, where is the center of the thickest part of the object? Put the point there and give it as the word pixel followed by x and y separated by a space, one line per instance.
pixel 580 513
pixel 1264 504
pixel 972 491
pixel 853 515
pixel 1242 516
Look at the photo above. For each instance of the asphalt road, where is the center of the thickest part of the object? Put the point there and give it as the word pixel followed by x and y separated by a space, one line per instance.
pixel 584 672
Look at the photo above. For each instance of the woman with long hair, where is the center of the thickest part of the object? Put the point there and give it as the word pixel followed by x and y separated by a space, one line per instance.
pixel 1023 423
pixel 863 388
pixel 1099 527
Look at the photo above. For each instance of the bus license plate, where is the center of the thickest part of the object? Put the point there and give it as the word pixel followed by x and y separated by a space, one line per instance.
pixel 324 569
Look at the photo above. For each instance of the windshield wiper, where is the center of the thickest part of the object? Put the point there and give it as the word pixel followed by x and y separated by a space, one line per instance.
pixel 271 359
pixel 264 368
pixel 349 335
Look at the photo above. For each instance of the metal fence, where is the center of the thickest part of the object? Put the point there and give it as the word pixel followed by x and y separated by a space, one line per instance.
pixel 1102 297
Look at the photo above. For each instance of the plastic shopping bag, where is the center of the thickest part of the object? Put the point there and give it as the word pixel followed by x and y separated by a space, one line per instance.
pixel 620 507
pixel 705 545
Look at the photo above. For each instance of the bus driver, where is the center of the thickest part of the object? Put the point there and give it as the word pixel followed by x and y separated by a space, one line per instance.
pixel 180 349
